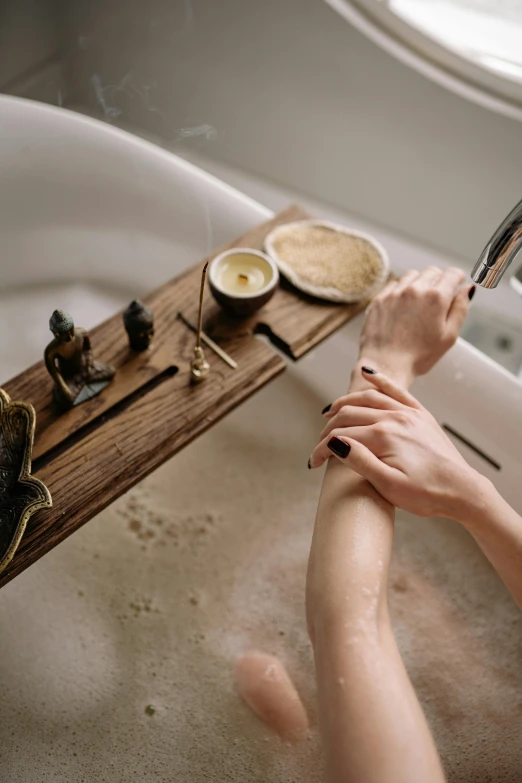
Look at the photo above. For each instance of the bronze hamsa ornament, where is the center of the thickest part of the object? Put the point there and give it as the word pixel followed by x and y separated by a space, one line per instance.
pixel 20 494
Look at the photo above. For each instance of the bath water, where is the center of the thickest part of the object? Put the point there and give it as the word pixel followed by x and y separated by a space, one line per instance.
pixel 151 603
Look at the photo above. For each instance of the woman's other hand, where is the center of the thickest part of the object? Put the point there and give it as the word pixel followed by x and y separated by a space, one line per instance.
pixel 390 439
pixel 411 324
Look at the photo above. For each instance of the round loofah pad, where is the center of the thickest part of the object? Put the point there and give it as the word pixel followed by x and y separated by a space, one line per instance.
pixel 328 260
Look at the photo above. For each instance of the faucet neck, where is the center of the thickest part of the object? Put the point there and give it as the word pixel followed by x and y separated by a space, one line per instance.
pixel 500 250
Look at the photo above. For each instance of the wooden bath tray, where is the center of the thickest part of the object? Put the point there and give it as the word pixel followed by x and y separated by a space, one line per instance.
pixel 92 454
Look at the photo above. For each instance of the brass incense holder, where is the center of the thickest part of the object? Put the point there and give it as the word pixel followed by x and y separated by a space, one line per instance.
pixel 20 494
pixel 199 367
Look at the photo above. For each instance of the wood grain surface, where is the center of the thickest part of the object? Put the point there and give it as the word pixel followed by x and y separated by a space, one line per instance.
pixel 90 455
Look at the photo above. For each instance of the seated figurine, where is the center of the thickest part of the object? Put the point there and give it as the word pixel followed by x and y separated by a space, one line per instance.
pixel 139 325
pixel 68 358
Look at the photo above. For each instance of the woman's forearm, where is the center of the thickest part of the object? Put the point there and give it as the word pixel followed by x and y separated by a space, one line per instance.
pixel 372 725
pixel 351 545
pixel 497 528
pixel 371 722
pixel 433 479
pixel 353 534
pixel 350 552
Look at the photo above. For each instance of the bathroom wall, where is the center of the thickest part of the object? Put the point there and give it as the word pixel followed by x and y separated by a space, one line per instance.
pixel 30 56
pixel 288 90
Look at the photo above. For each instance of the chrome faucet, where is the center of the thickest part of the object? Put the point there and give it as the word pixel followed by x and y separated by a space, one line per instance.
pixel 500 250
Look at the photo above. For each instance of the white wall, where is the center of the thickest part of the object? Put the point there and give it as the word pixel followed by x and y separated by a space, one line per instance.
pixel 297 95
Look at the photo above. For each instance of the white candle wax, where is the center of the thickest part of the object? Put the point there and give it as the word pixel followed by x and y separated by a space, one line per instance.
pixel 243 273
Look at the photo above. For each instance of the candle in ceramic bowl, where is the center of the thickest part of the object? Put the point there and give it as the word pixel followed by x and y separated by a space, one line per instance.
pixel 242 280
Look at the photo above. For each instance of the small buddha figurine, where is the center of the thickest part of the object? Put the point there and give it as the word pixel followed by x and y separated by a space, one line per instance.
pixel 68 358
pixel 139 324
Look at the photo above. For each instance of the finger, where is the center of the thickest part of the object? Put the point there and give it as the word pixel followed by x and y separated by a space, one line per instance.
pixel 407 279
pixel 388 288
pixel 322 452
pixel 352 416
pixel 451 280
pixel 360 459
pixel 391 389
pixel 459 310
pixel 429 277
pixel 369 398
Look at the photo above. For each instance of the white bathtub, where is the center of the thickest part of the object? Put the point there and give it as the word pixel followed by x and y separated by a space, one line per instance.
pixel 150 602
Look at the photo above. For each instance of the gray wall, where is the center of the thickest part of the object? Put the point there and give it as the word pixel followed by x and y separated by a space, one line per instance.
pixel 29 49
pixel 298 96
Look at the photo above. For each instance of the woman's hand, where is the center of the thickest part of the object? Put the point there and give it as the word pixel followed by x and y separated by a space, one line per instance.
pixel 389 438
pixel 413 322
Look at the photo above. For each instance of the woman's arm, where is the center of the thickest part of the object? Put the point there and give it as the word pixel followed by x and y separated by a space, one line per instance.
pixel 497 529
pixel 372 724
pixel 400 448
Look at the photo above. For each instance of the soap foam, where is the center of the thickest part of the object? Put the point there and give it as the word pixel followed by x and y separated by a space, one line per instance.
pixel 153 601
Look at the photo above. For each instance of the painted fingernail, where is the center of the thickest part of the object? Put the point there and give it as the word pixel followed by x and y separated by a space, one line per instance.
pixel 339 447
pixel 325 410
pixel 309 465
pixel 369 371
pixel 471 292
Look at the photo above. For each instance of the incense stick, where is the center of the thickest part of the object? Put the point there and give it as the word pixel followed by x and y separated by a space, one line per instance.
pixel 200 313
pixel 199 367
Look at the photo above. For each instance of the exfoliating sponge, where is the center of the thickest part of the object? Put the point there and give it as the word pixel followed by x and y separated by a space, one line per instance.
pixel 329 261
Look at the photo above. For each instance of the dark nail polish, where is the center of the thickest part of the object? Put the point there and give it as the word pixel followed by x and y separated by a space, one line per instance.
pixel 471 292
pixel 339 447
pixel 309 466
pixel 369 371
pixel 325 410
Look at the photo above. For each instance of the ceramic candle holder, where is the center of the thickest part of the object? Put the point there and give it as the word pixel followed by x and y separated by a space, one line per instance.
pixel 242 280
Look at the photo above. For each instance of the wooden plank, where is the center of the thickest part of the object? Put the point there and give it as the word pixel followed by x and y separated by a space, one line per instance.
pixel 116 455
pixel 172 342
pixel 90 455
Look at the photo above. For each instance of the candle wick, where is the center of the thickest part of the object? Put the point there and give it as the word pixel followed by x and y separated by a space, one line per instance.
pixel 242 278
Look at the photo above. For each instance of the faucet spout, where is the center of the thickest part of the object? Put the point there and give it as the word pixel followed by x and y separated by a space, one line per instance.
pixel 500 250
